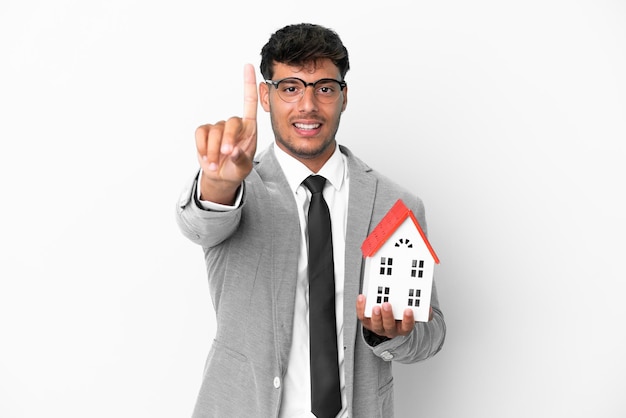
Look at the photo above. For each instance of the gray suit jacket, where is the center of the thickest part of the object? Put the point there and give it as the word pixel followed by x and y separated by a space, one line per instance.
pixel 251 256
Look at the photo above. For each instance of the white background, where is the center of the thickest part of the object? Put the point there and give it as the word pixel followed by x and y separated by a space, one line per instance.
pixel 507 118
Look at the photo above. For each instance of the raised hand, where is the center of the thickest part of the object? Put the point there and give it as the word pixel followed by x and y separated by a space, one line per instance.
pixel 226 148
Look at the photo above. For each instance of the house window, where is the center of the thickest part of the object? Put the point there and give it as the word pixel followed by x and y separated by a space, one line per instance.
pixel 383 294
pixel 385 266
pixel 405 242
pixel 417 268
pixel 414 297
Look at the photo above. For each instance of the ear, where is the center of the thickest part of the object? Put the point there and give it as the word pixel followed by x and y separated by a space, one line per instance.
pixel 345 99
pixel 264 96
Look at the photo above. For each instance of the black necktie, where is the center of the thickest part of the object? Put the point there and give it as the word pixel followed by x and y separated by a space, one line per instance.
pixel 325 391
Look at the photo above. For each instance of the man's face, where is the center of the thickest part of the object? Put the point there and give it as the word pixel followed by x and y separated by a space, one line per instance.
pixel 306 128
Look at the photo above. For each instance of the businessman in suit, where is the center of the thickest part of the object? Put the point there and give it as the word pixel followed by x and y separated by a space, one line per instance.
pixel 249 213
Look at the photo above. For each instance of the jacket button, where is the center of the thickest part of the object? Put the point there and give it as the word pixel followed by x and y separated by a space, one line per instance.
pixel 386 355
pixel 277 382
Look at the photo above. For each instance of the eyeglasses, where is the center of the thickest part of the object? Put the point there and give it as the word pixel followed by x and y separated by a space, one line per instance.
pixel 292 89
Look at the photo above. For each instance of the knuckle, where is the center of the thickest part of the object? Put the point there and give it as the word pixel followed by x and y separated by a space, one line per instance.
pixel 203 131
pixel 233 121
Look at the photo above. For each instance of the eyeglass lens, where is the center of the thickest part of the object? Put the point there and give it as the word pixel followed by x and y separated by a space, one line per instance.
pixel 292 89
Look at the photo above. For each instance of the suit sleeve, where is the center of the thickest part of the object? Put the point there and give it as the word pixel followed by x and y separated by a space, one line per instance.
pixel 205 227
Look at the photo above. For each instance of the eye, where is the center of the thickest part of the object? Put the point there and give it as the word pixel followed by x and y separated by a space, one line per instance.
pixel 290 87
pixel 327 88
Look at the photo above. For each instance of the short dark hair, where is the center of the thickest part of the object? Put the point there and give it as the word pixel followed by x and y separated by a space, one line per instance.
pixel 301 44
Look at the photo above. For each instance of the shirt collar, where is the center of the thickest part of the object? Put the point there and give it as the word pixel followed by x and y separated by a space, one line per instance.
pixel 296 172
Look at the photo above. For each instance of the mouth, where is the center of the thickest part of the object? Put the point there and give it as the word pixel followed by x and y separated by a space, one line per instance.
pixel 307 126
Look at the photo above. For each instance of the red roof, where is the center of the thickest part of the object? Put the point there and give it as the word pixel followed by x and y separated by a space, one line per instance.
pixel 392 220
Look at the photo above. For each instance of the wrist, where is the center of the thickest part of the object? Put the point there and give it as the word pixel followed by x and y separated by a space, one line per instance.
pixel 372 338
pixel 218 191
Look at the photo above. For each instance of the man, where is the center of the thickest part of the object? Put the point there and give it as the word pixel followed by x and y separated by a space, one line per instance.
pixel 249 213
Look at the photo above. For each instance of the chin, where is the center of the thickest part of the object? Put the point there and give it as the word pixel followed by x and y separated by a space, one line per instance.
pixel 307 150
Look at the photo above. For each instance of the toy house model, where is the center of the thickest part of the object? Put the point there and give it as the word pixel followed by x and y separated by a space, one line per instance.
pixel 399 265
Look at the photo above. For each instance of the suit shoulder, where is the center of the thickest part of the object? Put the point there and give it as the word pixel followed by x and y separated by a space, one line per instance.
pixel 388 191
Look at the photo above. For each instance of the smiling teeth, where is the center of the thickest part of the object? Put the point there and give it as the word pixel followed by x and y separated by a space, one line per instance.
pixel 307 126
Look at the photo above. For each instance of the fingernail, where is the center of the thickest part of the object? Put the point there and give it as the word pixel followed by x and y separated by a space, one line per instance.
pixel 212 167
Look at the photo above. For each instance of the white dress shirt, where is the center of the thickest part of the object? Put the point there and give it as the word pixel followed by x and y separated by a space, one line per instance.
pixel 297 382
pixel 296 401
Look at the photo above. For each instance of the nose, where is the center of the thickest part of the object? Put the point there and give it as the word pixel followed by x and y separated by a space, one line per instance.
pixel 308 101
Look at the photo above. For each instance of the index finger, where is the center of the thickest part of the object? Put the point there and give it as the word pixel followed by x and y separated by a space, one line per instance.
pixel 250 95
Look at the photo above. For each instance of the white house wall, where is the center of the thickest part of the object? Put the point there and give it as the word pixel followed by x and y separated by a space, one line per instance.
pixel 400 280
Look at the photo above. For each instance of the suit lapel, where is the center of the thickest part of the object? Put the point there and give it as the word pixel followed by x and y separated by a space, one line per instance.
pixel 284 254
pixel 360 208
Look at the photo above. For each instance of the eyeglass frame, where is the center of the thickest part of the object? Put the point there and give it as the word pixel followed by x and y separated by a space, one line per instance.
pixel 275 83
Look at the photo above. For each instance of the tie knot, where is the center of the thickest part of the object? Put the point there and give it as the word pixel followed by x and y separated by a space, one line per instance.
pixel 315 183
